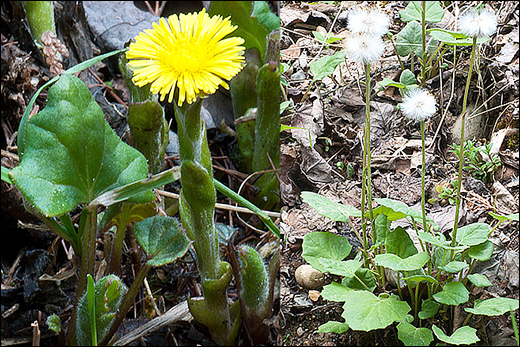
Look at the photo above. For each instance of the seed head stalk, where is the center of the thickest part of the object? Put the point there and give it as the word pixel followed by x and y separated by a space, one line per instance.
pixel 461 151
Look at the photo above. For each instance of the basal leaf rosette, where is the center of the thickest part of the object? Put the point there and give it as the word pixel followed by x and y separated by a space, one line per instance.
pixel 190 52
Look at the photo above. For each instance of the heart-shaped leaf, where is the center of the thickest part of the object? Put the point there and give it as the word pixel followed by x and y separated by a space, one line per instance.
pixel 494 306
pixel 162 239
pixel 453 293
pixel 414 10
pixel 465 335
pixel 365 311
pixel 479 280
pixel 317 245
pixel 429 309
pixel 412 336
pixel 325 207
pixel 396 263
pixel 473 234
pixel 326 65
pixel 71 153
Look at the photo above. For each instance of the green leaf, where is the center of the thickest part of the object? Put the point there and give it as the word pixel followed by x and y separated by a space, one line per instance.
pixel 502 218
pixel 413 11
pixel 473 234
pixel 479 280
pixel 409 40
pixel 53 322
pixel 429 309
pixel 365 311
pixel 264 15
pixel 454 266
pixel 325 207
pixel 335 292
pixel 419 278
pixel 335 267
pixel 326 65
pixel 362 279
pixel 400 243
pixel 71 153
pixel 454 38
pixel 408 78
pixel 462 336
pixel 388 82
pixel 333 327
pixel 108 294
pixel 326 245
pixel 482 252
pixel 253 27
pixel 395 209
pixel 396 263
pixel 412 336
pixel 494 306
pixel 453 293
pixel 382 228
pixel 427 237
pixel 162 239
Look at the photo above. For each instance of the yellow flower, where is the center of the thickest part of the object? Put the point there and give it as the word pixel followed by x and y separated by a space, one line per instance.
pixel 188 52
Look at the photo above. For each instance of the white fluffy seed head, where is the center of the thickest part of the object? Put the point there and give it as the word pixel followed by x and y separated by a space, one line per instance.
pixel 370 22
pixel 478 23
pixel 363 48
pixel 418 104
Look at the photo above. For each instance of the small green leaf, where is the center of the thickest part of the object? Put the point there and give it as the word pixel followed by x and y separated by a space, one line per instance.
pixel 400 243
pixel 162 239
pixel 362 279
pixel 396 263
pixel 326 65
pixel 395 210
pixel 494 306
pixel 427 237
pixel 333 327
pixel 365 311
pixel 325 207
pixel 454 38
pixel 482 252
pixel 321 246
pixel 409 40
pixel 412 336
pixel 407 78
pixel 53 322
pixel 429 309
pixel 504 218
pixel 335 292
pixel 479 280
pixel 419 278
pixel 108 294
pixel 454 266
pixel 462 336
pixel 473 234
pixel 414 11
pixel 453 293
pixel 387 82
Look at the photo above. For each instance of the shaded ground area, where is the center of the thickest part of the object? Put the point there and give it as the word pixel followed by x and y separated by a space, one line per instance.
pixel 331 113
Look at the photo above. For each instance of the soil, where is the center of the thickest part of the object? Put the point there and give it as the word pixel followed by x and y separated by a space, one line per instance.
pixel 331 111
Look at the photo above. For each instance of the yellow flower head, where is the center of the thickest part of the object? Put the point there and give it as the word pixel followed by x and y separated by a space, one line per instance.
pixel 188 52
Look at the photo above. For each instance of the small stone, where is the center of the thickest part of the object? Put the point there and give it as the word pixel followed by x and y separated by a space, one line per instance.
pixel 300 331
pixel 314 295
pixel 308 277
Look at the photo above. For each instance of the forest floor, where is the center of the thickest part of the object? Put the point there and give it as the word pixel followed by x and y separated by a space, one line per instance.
pixel 332 113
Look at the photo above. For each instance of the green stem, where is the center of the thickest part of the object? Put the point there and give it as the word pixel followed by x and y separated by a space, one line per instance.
pixel 515 327
pixel 461 152
pixel 423 179
pixel 197 209
pixel 423 34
